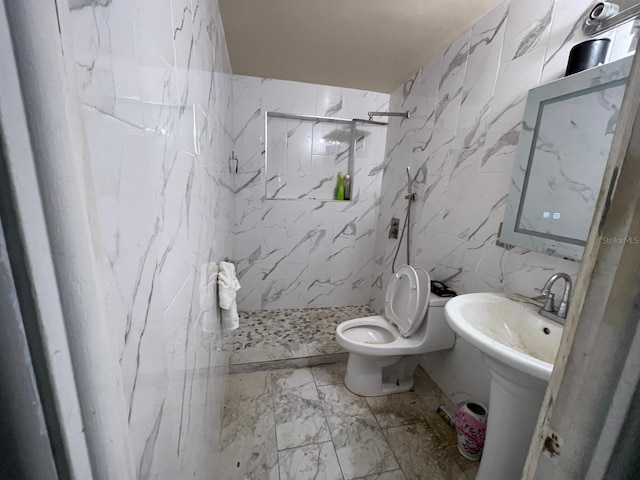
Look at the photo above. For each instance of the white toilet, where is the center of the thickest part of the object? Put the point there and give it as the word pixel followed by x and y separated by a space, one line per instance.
pixel 384 351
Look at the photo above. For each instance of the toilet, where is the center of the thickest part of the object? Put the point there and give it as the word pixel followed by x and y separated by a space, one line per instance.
pixel 384 351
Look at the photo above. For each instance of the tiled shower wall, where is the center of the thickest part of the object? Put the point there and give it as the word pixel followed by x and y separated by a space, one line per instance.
pixel 467 105
pixel 155 82
pixel 299 253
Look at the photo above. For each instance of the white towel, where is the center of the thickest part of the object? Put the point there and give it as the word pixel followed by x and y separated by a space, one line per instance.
pixel 208 306
pixel 227 286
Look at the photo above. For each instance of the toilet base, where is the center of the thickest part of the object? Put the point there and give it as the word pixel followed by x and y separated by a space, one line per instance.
pixel 375 376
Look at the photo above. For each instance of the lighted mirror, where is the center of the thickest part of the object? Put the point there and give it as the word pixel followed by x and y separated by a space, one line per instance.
pixel 565 141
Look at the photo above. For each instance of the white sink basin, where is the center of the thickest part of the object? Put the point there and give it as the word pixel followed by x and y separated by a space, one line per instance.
pixel 507 329
pixel 520 347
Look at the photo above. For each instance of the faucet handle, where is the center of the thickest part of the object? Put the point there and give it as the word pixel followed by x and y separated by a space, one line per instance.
pixel 548 303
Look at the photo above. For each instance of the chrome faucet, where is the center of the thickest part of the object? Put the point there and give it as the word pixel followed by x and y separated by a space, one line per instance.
pixel 548 309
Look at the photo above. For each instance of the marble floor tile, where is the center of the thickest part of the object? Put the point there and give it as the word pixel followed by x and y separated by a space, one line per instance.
pixel 329 374
pixel 299 416
pixel 394 475
pixel 248 437
pixel 431 397
pixel 267 354
pixel 311 462
pixel 395 410
pixel 360 444
pixel 469 469
pixel 247 385
pixel 427 389
pixel 421 454
pixel 300 423
pixel 445 432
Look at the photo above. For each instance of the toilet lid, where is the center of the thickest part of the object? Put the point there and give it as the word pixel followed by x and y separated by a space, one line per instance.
pixel 407 299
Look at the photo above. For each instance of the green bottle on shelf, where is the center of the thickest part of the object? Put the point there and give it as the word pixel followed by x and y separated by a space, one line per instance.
pixel 340 189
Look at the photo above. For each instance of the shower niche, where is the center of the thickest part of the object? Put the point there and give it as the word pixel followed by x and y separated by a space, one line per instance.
pixel 304 155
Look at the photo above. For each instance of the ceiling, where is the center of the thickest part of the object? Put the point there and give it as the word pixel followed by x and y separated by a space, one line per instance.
pixel 366 44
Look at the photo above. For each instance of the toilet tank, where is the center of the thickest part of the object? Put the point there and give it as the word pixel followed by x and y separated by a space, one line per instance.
pixel 438 333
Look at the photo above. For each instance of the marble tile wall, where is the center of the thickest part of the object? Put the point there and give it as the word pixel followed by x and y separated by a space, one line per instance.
pixel 155 82
pixel 299 253
pixel 467 105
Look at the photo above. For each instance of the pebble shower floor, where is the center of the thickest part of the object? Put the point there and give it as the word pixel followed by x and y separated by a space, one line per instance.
pixel 270 335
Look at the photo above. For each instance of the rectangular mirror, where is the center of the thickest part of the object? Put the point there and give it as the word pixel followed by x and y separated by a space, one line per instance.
pixel 566 136
pixel 305 153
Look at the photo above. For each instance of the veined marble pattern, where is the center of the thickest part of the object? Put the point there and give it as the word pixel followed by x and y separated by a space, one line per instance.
pixel 359 441
pixel 155 82
pixel 302 252
pixel 467 107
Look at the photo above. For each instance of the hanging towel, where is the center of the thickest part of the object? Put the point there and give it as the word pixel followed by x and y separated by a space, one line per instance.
pixel 227 286
pixel 208 296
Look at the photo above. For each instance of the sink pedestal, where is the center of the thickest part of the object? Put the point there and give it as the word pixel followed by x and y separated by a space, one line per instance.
pixel 515 401
pixel 519 346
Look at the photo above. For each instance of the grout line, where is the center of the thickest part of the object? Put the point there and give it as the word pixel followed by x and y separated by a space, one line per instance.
pixel 275 424
pixel 324 412
pixel 384 437
pixel 303 446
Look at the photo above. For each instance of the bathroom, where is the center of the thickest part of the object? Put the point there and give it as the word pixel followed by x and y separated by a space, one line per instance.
pixel 165 137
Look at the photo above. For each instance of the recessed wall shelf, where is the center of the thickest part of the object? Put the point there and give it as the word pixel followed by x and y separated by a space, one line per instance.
pixel 305 153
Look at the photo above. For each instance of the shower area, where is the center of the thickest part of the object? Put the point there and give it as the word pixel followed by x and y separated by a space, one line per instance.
pixel 305 259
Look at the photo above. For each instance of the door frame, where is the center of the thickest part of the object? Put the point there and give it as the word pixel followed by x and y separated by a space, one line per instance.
pixel 593 390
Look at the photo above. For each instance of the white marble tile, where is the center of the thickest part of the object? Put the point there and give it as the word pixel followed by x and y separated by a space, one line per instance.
pixel 360 444
pixel 485 47
pixel 394 475
pixel 248 437
pixel 419 453
pixel 452 73
pixel 514 81
pixel 395 410
pixel 312 232
pixel 528 27
pixel 624 42
pixel 330 374
pixel 299 416
pixel 309 462
pixel 156 101
pixel 566 31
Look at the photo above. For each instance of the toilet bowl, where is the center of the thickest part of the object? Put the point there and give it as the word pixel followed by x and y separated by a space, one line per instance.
pixel 384 351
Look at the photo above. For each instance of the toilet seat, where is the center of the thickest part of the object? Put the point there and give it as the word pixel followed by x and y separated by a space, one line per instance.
pixel 384 351
pixel 405 302
pixel 353 336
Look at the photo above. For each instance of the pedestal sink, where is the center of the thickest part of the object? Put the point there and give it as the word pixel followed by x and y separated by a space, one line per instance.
pixel 519 346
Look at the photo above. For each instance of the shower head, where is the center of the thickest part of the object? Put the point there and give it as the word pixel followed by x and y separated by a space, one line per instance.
pixel 370 122
pixel 410 182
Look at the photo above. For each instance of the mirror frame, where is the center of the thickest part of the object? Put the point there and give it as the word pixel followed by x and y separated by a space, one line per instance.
pixel 613 74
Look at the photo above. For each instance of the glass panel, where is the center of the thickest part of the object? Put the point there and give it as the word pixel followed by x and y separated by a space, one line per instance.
pixel 305 154
pixel 571 144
